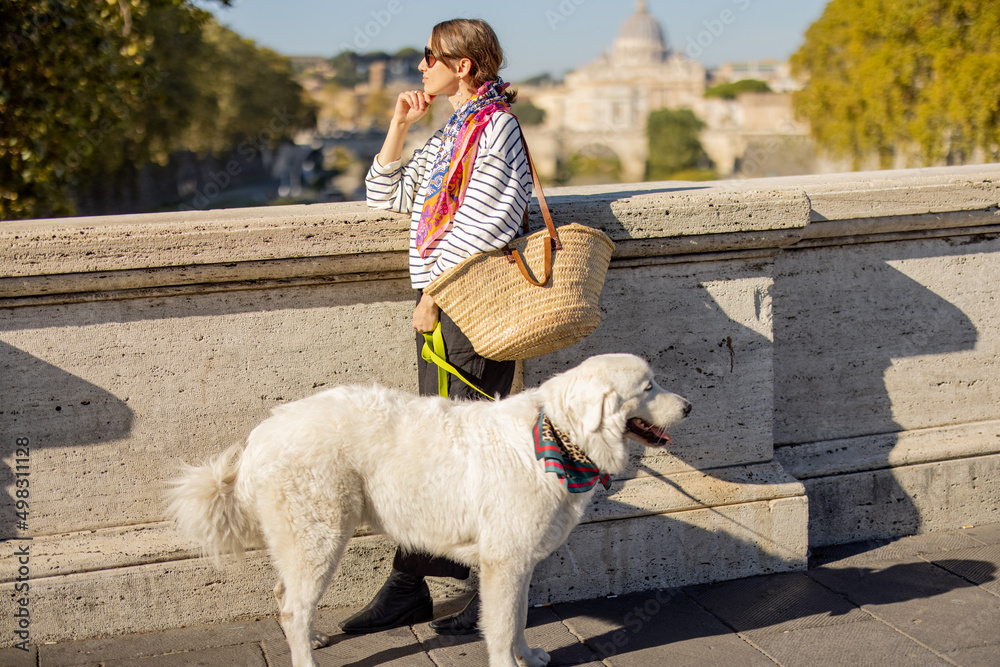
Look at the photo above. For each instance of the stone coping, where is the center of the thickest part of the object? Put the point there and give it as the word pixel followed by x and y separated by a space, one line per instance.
pixel 646 220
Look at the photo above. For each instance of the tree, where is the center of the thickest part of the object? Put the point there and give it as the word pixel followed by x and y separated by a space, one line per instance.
pixel 592 165
pixel 545 79
pixel 242 90
pixel 732 89
pixel 914 79
pixel 68 71
pixel 92 91
pixel 674 147
pixel 345 69
pixel 527 113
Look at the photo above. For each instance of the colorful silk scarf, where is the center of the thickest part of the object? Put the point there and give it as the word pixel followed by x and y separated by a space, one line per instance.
pixel 452 167
pixel 576 471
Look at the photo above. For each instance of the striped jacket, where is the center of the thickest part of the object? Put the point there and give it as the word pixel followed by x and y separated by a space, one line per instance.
pixel 490 214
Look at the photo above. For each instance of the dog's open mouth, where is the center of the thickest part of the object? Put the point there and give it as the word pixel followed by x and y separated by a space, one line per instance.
pixel 651 435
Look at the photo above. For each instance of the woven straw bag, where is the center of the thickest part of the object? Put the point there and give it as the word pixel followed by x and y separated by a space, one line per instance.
pixel 537 295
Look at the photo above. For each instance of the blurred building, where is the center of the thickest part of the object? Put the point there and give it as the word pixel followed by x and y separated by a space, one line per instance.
pixel 777 75
pixel 356 92
pixel 600 110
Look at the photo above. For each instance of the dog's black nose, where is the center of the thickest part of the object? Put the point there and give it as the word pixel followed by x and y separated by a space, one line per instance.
pixel 687 408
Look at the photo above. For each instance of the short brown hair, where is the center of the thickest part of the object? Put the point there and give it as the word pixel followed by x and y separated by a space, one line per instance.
pixel 473 39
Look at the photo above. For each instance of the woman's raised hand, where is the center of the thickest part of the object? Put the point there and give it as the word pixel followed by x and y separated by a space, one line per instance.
pixel 411 105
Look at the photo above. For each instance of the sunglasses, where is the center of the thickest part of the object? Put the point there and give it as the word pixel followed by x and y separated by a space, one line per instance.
pixel 432 59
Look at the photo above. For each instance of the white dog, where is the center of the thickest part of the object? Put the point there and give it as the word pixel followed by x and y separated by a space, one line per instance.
pixel 455 479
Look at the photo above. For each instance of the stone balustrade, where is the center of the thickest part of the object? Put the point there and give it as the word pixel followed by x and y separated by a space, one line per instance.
pixel 837 335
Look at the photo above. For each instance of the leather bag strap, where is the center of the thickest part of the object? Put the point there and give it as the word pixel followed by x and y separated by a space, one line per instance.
pixel 554 243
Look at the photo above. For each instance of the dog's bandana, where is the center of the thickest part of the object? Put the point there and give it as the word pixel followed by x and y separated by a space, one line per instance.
pixel 577 472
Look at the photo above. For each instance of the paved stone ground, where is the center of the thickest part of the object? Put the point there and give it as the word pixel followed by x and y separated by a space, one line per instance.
pixel 924 600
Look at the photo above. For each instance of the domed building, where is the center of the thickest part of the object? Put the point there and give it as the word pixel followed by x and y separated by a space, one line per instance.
pixel 602 107
pixel 640 40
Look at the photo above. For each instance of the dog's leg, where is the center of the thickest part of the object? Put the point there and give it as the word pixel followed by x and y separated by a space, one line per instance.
pixel 500 589
pixel 524 654
pixel 317 639
pixel 305 551
pixel 305 572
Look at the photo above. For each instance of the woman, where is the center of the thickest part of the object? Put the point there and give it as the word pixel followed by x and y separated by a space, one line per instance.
pixel 466 191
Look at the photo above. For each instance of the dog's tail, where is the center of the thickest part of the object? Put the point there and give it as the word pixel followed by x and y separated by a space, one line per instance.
pixel 206 508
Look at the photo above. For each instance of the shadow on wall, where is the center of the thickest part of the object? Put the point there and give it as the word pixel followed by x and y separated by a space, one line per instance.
pixel 50 407
pixel 682 319
pixel 134 353
pixel 841 316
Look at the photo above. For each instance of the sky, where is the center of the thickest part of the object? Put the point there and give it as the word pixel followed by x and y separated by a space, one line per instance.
pixel 539 36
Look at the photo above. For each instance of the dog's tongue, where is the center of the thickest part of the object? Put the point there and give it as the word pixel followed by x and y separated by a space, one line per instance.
pixel 646 430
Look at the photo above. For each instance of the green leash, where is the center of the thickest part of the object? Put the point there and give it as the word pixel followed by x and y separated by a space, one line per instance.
pixel 434 353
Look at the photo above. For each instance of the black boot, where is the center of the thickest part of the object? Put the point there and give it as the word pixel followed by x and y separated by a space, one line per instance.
pixel 464 622
pixel 403 599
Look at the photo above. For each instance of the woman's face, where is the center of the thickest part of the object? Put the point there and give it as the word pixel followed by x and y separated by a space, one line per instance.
pixel 439 79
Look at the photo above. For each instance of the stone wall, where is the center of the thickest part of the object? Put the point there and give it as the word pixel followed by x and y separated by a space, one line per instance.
pixel 836 334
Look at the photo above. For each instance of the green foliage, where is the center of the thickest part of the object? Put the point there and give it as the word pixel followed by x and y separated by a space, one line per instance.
pixel 731 90
pixel 591 166
pixel 245 88
pixel 916 78
pixel 527 113
pixel 674 146
pixel 408 52
pixel 345 69
pixel 56 95
pixel 544 79
pixel 90 90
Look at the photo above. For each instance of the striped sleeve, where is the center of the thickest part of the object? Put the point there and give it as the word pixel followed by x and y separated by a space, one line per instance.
pixel 497 195
pixel 394 186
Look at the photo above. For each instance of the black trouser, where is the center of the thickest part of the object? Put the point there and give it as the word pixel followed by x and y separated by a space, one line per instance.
pixel 493 377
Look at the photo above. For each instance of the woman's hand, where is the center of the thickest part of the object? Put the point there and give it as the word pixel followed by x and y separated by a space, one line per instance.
pixel 411 106
pixel 426 314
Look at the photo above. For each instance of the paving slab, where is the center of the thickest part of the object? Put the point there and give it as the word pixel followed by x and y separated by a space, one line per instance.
pixel 544 630
pixel 937 608
pixel 663 627
pixel 866 643
pixel 131 647
pixel 15 657
pixel 395 648
pixel 980 566
pixel 241 655
pixel 983 656
pixel 887 551
pixel 776 603
pixel 988 534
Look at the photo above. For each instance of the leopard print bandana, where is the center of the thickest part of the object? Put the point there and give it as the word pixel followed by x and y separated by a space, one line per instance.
pixel 560 456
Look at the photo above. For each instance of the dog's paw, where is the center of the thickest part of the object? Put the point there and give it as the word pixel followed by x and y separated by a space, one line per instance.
pixel 535 657
pixel 319 640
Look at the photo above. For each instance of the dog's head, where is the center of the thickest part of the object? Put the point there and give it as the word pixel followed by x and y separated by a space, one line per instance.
pixel 606 398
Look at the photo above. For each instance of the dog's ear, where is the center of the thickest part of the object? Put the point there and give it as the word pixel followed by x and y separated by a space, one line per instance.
pixel 576 403
pixel 593 408
pixel 610 410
